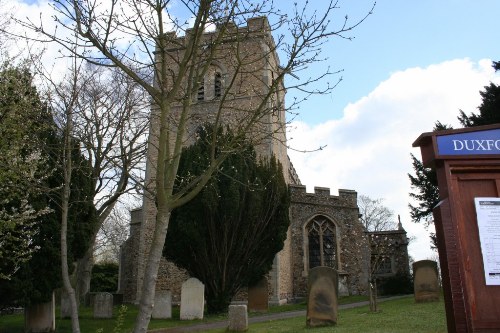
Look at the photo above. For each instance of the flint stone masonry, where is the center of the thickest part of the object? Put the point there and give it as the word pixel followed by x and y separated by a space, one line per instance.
pixel 353 253
pixel 103 305
pixel 192 299
pixel 287 280
pixel 40 317
pixel 426 281
pixel 162 305
pixel 322 300
pixel 129 254
pixel 238 318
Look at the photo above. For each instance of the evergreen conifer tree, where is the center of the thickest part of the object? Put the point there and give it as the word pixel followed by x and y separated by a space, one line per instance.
pixel 228 235
pixel 30 137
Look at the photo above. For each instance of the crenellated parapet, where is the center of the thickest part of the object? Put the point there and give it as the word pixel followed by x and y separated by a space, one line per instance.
pixel 322 196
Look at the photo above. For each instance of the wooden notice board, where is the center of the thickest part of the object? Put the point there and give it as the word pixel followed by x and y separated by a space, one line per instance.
pixel 467 163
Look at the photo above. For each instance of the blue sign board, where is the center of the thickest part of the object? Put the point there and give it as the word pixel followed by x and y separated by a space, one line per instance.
pixel 470 143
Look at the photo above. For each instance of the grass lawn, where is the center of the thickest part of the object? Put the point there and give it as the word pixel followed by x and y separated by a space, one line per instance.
pixel 402 315
pixel 395 316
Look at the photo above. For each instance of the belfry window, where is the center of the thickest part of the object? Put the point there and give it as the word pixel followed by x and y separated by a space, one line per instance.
pixel 322 243
pixel 217 85
pixel 201 92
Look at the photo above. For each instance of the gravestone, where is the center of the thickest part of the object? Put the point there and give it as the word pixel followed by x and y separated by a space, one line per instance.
pixel 426 281
pixel 65 305
pixel 192 299
pixel 322 297
pixel 40 317
pixel 163 305
pixel 103 305
pixel 238 318
pixel 258 296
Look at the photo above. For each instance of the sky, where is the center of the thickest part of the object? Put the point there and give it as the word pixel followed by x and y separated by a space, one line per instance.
pixel 409 64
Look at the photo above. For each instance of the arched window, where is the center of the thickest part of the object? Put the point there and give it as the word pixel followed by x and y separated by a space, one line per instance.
pixel 322 243
pixel 217 85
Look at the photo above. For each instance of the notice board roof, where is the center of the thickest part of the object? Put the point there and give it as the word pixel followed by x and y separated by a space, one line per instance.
pixel 480 142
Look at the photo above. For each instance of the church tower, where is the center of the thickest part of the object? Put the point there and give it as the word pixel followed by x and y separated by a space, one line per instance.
pixel 237 84
pixel 236 81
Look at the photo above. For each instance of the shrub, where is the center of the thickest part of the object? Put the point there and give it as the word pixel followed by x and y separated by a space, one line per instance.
pixel 104 277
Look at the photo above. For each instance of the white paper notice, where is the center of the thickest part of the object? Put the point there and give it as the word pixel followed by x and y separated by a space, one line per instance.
pixel 488 222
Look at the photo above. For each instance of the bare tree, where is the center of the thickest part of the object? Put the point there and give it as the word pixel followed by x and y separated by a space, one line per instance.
pixel 134 36
pixel 102 115
pixel 374 215
pixel 64 103
pixel 111 125
pixel 376 218
pixel 113 232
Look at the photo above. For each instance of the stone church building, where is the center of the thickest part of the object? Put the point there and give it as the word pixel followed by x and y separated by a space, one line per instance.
pixel 324 229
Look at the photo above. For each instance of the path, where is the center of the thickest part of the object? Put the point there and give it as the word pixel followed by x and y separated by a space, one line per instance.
pixel 258 319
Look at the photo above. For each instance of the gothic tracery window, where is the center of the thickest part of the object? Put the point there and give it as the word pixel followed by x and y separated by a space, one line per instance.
pixel 322 243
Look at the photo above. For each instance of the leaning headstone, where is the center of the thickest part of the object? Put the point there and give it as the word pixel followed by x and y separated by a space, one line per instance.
pixel 425 281
pixel 65 305
pixel 103 305
pixel 192 299
pixel 163 305
pixel 238 318
pixel 258 296
pixel 322 297
pixel 40 317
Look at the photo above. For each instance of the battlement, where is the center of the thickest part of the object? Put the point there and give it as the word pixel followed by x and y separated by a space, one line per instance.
pixel 253 25
pixel 322 195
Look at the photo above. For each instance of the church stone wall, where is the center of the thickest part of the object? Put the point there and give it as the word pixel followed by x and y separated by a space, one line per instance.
pixel 352 244
pixel 288 278
pixel 257 72
pixel 129 255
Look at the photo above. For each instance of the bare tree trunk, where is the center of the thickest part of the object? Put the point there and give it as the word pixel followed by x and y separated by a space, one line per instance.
pixel 84 275
pixel 373 296
pixel 75 325
pixel 151 271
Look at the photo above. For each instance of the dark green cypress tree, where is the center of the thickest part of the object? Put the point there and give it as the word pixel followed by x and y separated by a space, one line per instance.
pixel 228 235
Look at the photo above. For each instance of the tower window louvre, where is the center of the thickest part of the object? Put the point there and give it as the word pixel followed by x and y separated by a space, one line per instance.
pixel 217 85
pixel 201 92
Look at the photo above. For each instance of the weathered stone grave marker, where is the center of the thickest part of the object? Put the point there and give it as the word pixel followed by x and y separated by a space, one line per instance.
pixel 103 305
pixel 41 317
pixel 322 297
pixel 258 296
pixel 192 299
pixel 426 281
pixel 163 305
pixel 238 318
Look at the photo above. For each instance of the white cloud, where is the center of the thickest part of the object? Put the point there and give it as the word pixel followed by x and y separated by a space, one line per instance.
pixel 368 149
pixel 55 57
